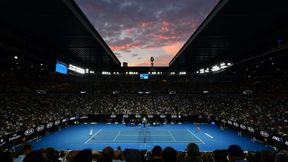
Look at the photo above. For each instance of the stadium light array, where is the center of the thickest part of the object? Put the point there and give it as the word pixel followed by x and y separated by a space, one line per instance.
pixel 106 73
pixel 156 73
pixel 15 57
pixel 214 68
pixel 76 69
pixel 182 73
pixel 131 73
pixel 201 71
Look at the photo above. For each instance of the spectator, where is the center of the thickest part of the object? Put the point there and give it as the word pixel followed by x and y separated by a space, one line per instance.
pixel 235 153
pixel 156 154
pixel 107 155
pixel 116 156
pixel 6 157
pixel 193 153
pixel 51 154
pixel 83 156
pixel 132 155
pixel 26 149
pixel 220 156
pixel 35 156
pixel 169 154
pixel 282 157
pixel 267 156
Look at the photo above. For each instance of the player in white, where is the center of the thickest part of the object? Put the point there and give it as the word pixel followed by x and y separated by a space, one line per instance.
pixel 144 121
pixel 198 129
pixel 91 132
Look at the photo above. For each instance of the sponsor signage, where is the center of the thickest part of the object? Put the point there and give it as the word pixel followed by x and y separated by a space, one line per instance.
pixel 29 131
pixel 174 116
pixel 236 124
pixel 264 134
pixel 242 126
pixel 14 137
pixel 73 118
pixel 57 122
pixel 162 116
pixel 150 116
pixel 250 129
pixel 2 142
pixel 49 125
pixel 84 117
pixel 229 122
pixel 277 138
pixel 40 128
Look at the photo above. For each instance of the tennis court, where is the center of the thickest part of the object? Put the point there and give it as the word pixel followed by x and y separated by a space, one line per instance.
pixel 98 136
pixel 144 135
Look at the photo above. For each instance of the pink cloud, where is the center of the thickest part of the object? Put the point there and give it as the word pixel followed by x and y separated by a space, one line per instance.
pixel 130 30
pixel 165 26
pixel 127 46
pixel 144 23
pixel 164 37
pixel 173 48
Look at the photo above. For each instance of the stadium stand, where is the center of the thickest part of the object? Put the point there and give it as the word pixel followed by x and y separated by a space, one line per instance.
pixel 247 93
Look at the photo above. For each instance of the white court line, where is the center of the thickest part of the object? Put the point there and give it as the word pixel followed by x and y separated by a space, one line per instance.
pixel 129 141
pixel 117 136
pixel 126 135
pixel 93 135
pixel 208 135
pixel 171 135
pixel 196 136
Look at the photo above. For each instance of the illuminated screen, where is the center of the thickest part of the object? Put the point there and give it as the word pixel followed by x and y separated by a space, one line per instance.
pixel 61 68
pixel 144 76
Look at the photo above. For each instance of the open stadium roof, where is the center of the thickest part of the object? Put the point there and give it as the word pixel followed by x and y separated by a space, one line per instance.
pixel 138 30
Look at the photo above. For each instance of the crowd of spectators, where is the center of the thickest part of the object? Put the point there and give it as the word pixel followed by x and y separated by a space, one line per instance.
pixel 233 153
pixel 19 112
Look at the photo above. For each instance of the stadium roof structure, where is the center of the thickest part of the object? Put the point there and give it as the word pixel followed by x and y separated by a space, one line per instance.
pixel 45 30
pixel 237 32
pixel 49 30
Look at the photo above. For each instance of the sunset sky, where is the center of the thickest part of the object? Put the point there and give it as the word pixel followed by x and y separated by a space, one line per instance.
pixel 136 30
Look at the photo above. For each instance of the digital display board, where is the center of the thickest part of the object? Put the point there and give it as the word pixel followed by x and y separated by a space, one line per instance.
pixel 144 76
pixel 61 68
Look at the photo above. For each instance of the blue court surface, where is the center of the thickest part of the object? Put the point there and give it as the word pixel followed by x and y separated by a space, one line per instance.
pixel 209 138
